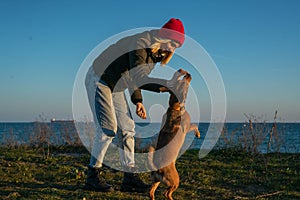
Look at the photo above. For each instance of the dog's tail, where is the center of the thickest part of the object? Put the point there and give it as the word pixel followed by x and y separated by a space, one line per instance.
pixel 151 164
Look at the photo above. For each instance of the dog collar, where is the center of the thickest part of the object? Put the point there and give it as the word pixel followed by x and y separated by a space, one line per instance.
pixel 179 108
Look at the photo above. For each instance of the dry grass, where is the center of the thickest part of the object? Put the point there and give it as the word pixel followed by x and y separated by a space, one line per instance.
pixel 223 174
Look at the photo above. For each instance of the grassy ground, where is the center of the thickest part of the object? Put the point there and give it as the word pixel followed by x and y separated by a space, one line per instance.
pixel 26 173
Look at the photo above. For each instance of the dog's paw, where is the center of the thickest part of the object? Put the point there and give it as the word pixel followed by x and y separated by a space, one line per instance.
pixel 194 127
pixel 197 133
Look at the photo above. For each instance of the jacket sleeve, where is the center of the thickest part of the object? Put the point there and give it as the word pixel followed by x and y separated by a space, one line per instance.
pixel 140 68
pixel 136 58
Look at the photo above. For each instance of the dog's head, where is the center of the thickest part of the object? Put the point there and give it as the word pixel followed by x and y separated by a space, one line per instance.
pixel 179 90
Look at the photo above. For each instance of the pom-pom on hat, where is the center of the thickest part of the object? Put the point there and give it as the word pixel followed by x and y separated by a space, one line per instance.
pixel 173 30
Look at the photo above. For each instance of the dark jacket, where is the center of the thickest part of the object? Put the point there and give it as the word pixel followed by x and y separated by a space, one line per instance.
pixel 127 64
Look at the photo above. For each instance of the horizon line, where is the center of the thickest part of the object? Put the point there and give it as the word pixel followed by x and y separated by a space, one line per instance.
pixel 145 122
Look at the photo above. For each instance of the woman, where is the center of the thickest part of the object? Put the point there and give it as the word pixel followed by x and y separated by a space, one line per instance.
pixel 126 65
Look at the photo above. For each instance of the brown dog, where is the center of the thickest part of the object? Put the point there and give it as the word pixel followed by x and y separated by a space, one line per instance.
pixel 175 125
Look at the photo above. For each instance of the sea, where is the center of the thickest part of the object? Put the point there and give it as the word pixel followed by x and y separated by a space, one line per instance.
pixel 258 137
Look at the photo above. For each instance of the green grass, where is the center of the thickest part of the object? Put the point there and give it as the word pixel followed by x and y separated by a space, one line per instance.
pixel 26 173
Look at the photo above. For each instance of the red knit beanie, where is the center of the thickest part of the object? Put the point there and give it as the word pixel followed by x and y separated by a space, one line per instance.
pixel 173 30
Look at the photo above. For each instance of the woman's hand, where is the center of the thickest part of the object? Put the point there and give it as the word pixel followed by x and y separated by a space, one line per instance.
pixel 164 89
pixel 140 110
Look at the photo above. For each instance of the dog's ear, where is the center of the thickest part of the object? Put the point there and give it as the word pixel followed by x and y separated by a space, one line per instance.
pixel 188 77
pixel 182 72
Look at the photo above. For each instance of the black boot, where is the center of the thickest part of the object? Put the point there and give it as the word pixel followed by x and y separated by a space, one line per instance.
pixel 95 182
pixel 133 183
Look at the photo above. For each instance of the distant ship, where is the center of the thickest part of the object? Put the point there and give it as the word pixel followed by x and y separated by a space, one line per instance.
pixel 53 120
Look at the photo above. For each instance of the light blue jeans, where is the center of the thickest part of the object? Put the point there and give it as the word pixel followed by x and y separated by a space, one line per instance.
pixel 114 117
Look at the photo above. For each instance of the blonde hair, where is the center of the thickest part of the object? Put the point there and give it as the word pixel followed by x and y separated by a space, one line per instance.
pixel 156 46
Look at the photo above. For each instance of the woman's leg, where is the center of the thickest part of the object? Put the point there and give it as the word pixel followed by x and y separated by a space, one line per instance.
pixel 126 129
pixel 105 113
pixel 131 181
pixel 99 97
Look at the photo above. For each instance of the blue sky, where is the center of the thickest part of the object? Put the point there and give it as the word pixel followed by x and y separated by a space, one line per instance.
pixel 255 45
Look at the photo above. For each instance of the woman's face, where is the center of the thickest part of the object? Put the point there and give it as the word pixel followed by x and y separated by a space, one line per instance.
pixel 169 46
